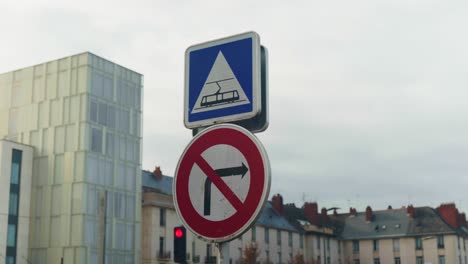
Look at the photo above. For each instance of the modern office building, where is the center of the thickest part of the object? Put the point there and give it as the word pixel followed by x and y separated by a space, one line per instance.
pixel 15 189
pixel 82 116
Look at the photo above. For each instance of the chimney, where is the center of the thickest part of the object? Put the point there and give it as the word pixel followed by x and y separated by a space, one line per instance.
pixel 352 211
pixel 463 219
pixel 369 215
pixel 157 173
pixel 277 202
pixel 311 212
pixel 410 211
pixel 389 207
pixel 324 215
pixel 449 213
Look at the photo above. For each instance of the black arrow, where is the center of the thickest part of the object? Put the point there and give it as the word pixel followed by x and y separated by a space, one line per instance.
pixel 226 172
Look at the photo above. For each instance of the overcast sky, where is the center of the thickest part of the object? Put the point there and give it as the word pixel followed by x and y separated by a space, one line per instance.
pixel 368 98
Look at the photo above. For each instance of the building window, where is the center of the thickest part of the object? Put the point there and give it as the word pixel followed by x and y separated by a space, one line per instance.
pixel 93 111
pixel 318 242
pixel 418 243
pixel 319 260
pixel 441 259
pixel 278 237
pixel 396 245
pixel 208 250
pixel 254 233
pixel 376 261
pixel 15 170
pixel 356 261
pixel 328 260
pixel 328 244
pixel 161 247
pixel 267 236
pixel 355 246
pixel 459 260
pixel 279 258
pixel 301 241
pixel 397 260
pixel 110 144
pixel 267 253
pixel 339 246
pixel 458 241
pixel 375 245
pixel 419 260
pixel 464 246
pixel 102 114
pixel 13 206
pixel 96 140
pixel 10 260
pixel 11 235
pixel 440 241
pixel 162 217
pixel 193 250
pixel 290 240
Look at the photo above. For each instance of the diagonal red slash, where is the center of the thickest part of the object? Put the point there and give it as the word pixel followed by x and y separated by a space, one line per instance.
pixel 219 183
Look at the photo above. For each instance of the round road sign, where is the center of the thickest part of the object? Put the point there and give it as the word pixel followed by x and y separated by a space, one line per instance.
pixel 221 182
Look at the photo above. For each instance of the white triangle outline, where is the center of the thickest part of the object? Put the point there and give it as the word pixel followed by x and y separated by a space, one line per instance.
pixel 221 88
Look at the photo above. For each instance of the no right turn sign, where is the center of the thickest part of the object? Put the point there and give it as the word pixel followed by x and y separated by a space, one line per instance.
pixel 221 182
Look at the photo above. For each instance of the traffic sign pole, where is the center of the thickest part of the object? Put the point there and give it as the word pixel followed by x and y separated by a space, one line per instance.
pixel 223 253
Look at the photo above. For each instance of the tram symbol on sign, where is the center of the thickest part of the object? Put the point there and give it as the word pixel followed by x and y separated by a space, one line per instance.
pixel 227 172
pixel 219 98
pixel 221 88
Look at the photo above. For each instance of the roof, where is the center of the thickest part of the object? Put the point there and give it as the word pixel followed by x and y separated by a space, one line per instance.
pixel 163 186
pixel 388 223
pixel 68 56
pixel 427 221
pixel 394 223
pixel 271 219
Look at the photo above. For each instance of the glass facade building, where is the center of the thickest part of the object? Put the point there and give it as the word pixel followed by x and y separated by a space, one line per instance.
pixel 82 115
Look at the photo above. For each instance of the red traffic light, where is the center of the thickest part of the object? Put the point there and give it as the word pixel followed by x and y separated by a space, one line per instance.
pixel 178 232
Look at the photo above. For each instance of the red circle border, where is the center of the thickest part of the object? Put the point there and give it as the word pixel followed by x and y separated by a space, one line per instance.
pixel 219 230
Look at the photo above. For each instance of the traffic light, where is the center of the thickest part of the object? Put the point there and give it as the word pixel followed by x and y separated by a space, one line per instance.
pixel 180 244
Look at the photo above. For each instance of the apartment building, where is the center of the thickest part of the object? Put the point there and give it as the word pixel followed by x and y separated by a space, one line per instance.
pixel 407 235
pixel 277 240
